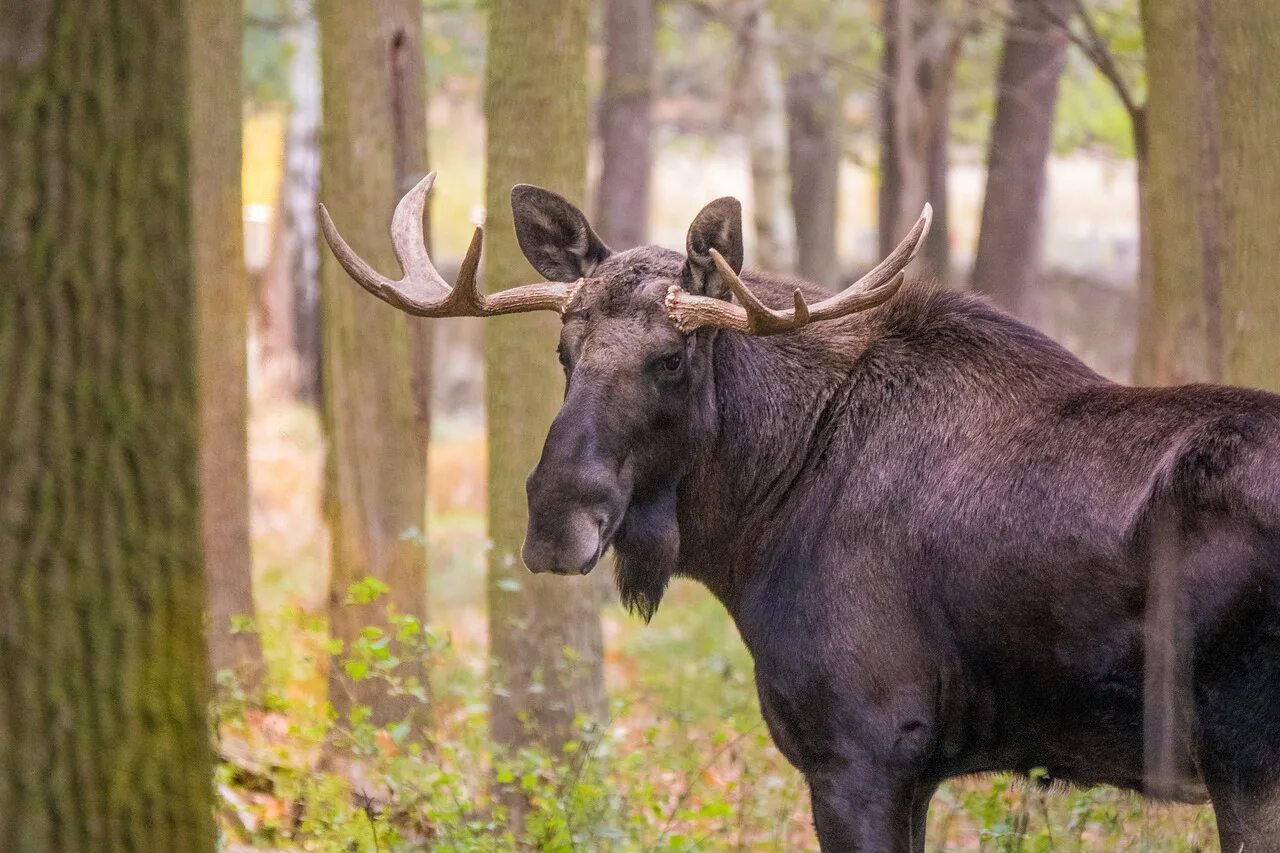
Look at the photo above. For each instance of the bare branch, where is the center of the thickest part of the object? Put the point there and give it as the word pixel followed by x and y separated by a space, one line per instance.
pixel 1095 48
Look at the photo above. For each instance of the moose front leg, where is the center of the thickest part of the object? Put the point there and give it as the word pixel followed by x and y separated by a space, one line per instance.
pixel 864 809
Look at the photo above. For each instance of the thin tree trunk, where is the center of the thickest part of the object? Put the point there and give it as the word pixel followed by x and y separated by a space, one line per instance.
pixel 904 180
pixel 375 479
pixel 537 115
pixel 298 196
pixel 937 247
pixel 103 671
pixel 764 109
pixel 1143 364
pixel 622 201
pixel 222 316
pixel 1010 242
pixel 289 289
pixel 813 107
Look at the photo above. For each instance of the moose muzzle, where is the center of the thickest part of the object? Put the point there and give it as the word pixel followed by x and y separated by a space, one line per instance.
pixel 577 495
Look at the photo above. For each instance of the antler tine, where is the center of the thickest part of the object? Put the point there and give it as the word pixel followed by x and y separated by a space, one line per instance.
pixel 422 291
pixel 897 260
pixel 466 295
pixel 408 241
pixel 755 318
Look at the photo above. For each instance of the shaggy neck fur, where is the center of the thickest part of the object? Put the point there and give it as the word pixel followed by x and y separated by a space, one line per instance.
pixel 789 413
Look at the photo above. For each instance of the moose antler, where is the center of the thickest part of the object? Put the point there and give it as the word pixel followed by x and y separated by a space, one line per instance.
pixel 422 291
pixel 755 318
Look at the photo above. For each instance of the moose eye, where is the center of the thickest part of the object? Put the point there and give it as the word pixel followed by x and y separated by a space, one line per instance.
pixel 673 362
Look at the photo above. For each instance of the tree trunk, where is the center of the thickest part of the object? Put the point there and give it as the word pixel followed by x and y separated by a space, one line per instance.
pixel 222 316
pixel 1142 363
pixel 622 201
pixel 1182 320
pixel 904 180
pixel 1246 33
pixel 103 671
pixel 764 112
pixel 373 84
pixel 298 196
pixel 937 246
pixel 1010 242
pixel 813 108
pixel 289 288
pixel 537 114
pixel 1212 197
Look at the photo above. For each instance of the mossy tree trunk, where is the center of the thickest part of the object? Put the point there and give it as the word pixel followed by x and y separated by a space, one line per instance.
pixel 103 687
pixel 1181 317
pixel 1246 34
pixel 537 114
pixel 373 139
pixel 222 315
pixel 1212 193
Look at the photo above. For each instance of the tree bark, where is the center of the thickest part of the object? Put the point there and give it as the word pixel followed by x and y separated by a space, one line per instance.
pixel 904 130
pixel 376 464
pixel 222 316
pixel 1010 242
pixel 622 200
pixel 813 107
pixel 103 671
pixel 537 114
pixel 937 246
pixel 298 197
pixel 1212 196
pixel 1178 343
pixel 1245 35
pixel 1182 320
pixel 764 111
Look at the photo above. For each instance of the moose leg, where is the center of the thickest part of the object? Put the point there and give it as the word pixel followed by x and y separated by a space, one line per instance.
pixel 1241 767
pixel 920 814
pixel 856 811
pixel 1248 823
pixel 1238 705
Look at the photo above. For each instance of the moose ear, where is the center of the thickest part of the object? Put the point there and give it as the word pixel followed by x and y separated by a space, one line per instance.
pixel 554 235
pixel 718 226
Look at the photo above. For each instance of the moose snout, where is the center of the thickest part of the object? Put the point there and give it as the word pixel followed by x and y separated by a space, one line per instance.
pixel 577 492
pixel 572 510
pixel 567 545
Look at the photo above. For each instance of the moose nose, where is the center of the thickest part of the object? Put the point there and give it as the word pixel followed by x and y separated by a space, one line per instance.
pixel 569 547
pixel 576 491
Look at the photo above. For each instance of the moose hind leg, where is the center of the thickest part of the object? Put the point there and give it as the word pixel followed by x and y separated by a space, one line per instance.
pixel 1248 823
pixel 1238 705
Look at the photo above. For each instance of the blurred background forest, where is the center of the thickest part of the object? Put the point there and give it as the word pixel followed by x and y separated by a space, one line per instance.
pixel 383 672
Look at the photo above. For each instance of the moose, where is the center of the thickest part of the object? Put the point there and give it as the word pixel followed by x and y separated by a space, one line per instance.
pixel 950 547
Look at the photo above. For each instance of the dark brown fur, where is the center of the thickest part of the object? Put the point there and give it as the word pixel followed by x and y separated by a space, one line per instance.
pixel 936 530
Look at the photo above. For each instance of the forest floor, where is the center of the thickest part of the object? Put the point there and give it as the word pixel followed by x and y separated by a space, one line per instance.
pixel 684 762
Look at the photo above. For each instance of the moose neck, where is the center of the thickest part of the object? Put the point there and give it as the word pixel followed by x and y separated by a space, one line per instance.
pixel 775 399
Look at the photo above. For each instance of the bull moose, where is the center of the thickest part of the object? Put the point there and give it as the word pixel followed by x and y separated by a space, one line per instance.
pixel 949 546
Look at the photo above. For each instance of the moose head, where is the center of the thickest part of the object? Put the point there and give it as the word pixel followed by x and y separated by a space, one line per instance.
pixel 636 346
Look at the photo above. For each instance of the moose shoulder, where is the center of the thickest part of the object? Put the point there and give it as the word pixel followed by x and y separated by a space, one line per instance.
pixel 949 546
